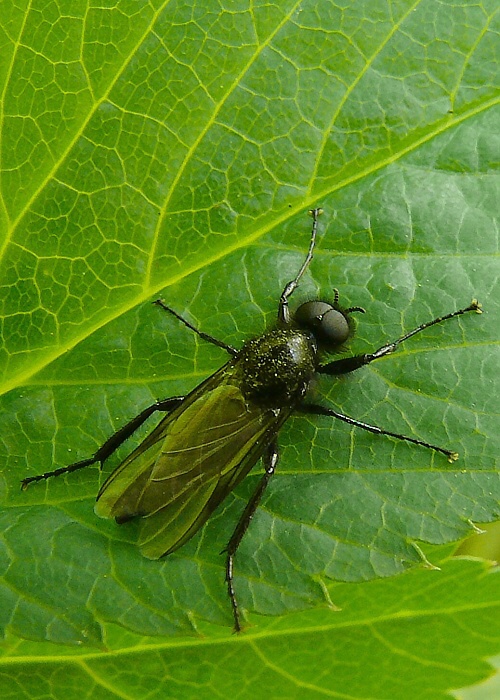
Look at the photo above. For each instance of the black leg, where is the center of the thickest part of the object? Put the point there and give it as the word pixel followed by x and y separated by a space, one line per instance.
pixel 112 443
pixel 321 411
pixel 270 459
pixel 204 336
pixel 350 364
pixel 290 287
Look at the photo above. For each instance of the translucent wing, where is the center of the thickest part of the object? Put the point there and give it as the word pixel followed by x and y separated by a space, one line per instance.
pixel 189 463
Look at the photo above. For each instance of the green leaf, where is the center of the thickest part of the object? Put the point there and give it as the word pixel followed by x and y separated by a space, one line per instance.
pixel 173 149
pixel 398 639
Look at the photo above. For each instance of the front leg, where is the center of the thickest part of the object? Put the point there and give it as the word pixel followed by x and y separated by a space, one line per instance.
pixel 350 364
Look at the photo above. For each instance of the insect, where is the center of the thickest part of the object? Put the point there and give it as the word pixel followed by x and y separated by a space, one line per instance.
pixel 211 438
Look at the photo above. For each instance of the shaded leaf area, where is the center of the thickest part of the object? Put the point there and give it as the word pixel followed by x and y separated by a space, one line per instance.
pixel 418 635
pixel 279 565
pixel 176 154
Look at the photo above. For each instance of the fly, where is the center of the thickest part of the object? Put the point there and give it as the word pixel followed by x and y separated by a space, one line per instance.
pixel 210 439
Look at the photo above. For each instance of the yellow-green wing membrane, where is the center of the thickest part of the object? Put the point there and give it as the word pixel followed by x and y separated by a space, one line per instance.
pixel 189 463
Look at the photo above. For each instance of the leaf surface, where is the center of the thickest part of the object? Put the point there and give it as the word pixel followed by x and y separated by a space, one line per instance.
pixel 171 149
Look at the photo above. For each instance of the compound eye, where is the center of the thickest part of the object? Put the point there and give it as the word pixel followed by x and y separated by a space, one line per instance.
pixel 311 313
pixel 328 325
pixel 334 327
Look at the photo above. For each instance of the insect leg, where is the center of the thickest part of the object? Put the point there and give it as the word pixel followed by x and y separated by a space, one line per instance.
pixel 112 443
pixel 204 336
pixel 349 364
pixel 270 459
pixel 322 411
pixel 283 312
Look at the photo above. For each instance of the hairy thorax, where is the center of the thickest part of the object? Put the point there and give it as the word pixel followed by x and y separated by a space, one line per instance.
pixel 276 367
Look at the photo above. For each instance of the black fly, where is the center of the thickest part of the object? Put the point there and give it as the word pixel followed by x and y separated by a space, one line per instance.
pixel 210 439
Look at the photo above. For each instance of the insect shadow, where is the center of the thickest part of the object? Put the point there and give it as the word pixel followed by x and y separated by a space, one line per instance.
pixel 211 438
